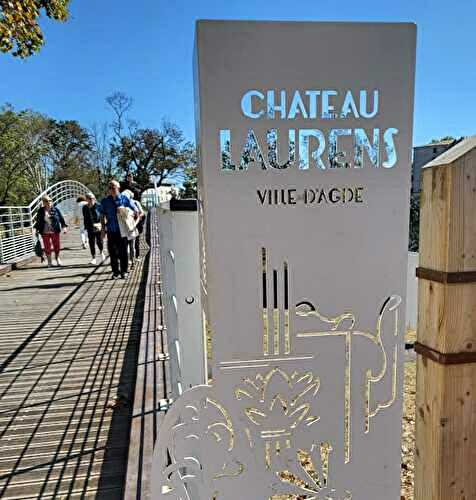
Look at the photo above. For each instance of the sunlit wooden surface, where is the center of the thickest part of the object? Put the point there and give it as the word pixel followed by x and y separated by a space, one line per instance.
pixel 69 342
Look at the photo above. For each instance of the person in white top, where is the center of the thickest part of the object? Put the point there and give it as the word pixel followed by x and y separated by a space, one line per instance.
pixel 140 227
pixel 134 235
pixel 83 233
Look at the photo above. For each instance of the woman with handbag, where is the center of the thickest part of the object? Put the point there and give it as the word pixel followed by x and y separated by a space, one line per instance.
pixel 92 224
pixel 49 222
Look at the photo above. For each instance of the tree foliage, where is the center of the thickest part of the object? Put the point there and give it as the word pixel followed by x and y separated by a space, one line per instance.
pixel 79 154
pixel 70 149
pixel 37 151
pixel 189 186
pixel 20 32
pixel 163 152
pixel 446 138
pixel 23 148
pixel 102 158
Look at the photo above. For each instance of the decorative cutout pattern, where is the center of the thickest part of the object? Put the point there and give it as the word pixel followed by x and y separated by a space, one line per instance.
pixel 197 447
pixel 261 424
pixel 313 477
pixel 277 405
pixel 279 327
pixel 391 305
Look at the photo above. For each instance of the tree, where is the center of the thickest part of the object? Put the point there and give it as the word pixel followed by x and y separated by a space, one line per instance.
pixel 163 152
pixel 447 138
pixel 10 144
pixel 23 150
pixel 120 104
pixel 36 137
pixel 103 161
pixel 36 151
pixel 20 32
pixel 71 153
pixel 189 186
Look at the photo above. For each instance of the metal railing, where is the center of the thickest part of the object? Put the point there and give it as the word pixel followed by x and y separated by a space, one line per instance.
pixel 180 279
pixel 16 222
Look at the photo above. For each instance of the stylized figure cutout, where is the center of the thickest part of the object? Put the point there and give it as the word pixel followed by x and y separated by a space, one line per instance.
pixel 258 432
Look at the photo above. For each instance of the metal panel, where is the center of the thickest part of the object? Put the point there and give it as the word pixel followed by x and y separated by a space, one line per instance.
pixel 304 143
pixel 179 250
pixel 187 280
pixel 167 276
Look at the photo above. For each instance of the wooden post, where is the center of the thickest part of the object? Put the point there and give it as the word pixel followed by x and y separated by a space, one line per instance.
pixel 445 458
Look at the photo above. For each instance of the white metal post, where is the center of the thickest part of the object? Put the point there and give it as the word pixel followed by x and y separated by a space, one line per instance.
pixel 12 233
pixel 31 227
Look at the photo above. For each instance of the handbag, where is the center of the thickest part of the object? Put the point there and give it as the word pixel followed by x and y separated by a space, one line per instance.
pixel 39 249
pixel 97 227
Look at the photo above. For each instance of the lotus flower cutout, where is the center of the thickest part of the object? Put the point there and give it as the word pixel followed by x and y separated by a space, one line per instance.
pixel 277 404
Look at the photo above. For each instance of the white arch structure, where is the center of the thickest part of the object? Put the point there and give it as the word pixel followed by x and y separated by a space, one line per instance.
pixel 16 222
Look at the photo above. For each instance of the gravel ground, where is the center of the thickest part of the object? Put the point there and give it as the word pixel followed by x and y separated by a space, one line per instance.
pixel 408 431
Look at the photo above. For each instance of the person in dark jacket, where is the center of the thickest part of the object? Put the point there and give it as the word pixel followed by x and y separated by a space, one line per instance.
pixel 129 184
pixel 49 222
pixel 92 224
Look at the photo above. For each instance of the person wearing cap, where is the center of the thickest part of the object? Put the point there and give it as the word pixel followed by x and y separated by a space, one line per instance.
pixel 92 223
pixel 116 242
pixel 49 222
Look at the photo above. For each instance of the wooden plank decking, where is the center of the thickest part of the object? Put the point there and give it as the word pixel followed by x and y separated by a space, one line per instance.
pixel 151 383
pixel 69 341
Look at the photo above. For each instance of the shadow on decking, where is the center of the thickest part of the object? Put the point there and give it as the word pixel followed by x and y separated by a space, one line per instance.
pixel 51 286
pixel 124 404
pixel 39 265
pixel 78 461
pixel 81 275
pixel 4 365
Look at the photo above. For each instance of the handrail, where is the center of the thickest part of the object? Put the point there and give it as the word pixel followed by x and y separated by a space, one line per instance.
pixel 54 186
pixel 16 222
pixel 59 192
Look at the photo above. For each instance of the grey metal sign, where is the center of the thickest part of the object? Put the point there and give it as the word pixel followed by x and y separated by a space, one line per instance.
pixel 304 134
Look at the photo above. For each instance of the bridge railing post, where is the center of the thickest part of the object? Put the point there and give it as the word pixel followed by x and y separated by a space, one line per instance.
pixel 2 239
pixel 12 232
pixel 180 276
pixel 32 230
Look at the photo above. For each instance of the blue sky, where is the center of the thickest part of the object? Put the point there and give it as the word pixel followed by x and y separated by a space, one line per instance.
pixel 144 48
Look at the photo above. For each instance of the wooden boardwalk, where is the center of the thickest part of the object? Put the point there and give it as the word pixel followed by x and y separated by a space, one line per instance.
pixel 152 381
pixel 69 340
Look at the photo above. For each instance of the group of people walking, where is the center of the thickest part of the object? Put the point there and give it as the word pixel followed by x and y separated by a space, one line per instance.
pixel 119 217
pixel 121 220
